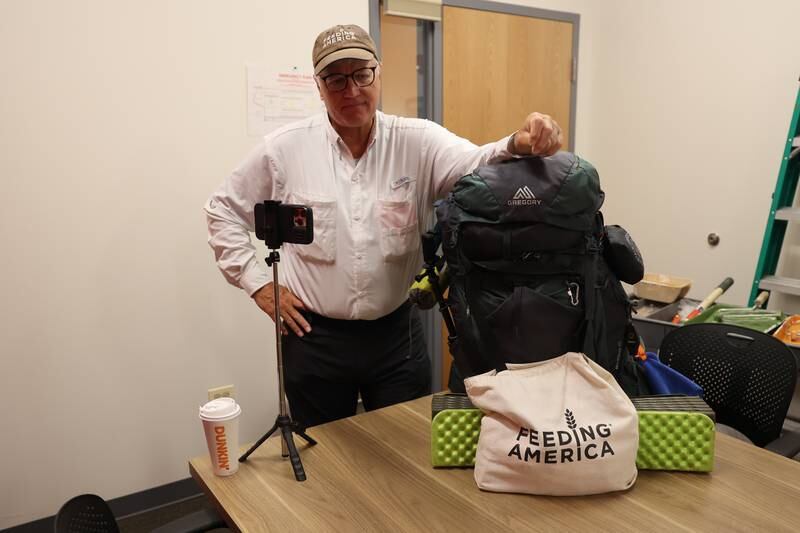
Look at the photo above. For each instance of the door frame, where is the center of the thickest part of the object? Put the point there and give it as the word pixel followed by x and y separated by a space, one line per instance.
pixel 433 42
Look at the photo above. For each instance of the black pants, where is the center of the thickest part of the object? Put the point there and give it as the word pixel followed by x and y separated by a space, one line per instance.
pixel 385 361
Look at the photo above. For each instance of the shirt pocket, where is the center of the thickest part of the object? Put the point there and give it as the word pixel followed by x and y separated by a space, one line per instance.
pixel 323 248
pixel 399 228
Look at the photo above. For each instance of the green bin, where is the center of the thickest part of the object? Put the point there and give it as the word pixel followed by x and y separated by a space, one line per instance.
pixel 763 321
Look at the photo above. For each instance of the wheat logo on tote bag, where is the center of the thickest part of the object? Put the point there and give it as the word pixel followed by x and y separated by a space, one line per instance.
pixel 558 427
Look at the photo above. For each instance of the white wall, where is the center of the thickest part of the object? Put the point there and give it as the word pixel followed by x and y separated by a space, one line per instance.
pixel 683 106
pixel 690 106
pixel 118 120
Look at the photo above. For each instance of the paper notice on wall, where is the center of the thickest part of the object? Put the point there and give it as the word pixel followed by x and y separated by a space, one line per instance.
pixel 275 98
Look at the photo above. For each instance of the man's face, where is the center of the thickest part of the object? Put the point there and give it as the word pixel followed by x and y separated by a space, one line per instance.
pixel 352 106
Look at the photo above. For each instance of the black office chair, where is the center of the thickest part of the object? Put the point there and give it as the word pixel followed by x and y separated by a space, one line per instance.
pixel 89 513
pixel 748 378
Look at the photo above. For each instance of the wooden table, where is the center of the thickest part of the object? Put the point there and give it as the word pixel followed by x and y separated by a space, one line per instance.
pixel 372 472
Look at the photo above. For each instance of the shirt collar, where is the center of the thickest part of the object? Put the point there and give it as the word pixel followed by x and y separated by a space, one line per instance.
pixel 335 139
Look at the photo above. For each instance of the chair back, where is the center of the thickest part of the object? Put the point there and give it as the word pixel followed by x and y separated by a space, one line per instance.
pixel 748 376
pixel 87 513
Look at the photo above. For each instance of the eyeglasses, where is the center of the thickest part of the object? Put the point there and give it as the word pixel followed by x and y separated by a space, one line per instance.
pixel 363 77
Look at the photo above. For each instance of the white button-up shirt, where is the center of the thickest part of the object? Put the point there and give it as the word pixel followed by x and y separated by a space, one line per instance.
pixel 368 213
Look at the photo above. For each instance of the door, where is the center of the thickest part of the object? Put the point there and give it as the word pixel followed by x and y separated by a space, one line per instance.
pixel 498 67
pixel 398 49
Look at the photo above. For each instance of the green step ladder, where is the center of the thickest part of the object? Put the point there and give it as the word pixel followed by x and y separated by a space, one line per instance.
pixel 780 214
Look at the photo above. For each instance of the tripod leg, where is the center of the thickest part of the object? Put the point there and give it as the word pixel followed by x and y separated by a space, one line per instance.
pixel 294 457
pixel 301 431
pixel 258 443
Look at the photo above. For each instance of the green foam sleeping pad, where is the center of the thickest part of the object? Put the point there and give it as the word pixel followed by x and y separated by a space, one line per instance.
pixel 454 437
pixel 675 441
pixel 673 402
pixel 668 440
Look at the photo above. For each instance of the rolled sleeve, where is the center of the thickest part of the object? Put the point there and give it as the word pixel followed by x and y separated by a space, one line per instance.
pixel 229 214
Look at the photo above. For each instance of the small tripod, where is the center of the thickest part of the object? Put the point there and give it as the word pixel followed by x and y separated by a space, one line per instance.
pixel 283 421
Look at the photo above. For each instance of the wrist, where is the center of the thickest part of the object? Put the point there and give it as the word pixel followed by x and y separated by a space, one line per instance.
pixel 511 147
pixel 267 286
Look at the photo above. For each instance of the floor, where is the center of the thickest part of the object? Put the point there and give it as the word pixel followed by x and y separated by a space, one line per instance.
pixel 149 520
pixel 794 427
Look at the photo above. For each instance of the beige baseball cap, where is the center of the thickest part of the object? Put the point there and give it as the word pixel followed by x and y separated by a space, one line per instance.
pixel 346 41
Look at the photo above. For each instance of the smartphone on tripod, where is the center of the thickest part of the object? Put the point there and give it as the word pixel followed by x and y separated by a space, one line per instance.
pixel 277 223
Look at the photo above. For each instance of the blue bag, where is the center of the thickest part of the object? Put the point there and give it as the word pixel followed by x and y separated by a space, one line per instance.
pixel 666 380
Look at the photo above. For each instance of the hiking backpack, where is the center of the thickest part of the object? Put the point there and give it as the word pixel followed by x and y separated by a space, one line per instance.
pixel 528 260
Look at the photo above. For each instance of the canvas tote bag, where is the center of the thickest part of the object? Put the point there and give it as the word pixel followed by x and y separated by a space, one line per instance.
pixel 559 427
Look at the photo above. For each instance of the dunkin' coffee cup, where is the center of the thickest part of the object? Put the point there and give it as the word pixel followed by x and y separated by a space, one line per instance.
pixel 221 424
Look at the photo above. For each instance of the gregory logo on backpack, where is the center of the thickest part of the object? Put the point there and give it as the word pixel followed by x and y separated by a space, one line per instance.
pixel 524 196
pixel 563 446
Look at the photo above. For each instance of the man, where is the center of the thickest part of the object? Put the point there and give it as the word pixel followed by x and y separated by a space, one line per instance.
pixel 371 180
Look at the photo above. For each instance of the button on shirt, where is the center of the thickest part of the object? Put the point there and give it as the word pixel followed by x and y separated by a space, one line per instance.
pixel 368 214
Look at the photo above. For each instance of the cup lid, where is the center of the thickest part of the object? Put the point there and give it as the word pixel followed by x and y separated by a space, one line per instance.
pixel 219 409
